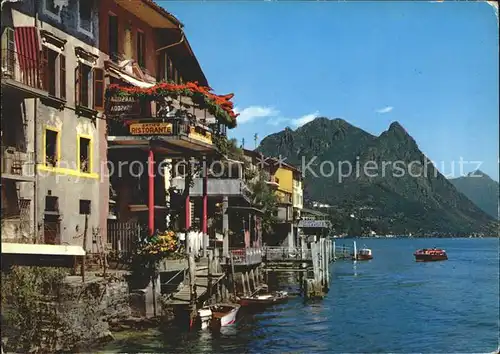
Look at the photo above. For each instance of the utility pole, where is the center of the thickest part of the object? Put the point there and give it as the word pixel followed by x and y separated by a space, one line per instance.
pixel 255 138
pixel 242 143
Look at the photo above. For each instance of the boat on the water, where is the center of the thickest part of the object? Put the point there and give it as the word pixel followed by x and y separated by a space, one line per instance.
pixel 430 255
pixel 264 299
pixel 224 314
pixel 364 254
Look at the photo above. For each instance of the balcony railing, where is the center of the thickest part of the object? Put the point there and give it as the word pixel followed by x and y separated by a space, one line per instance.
pixel 22 69
pixel 161 127
pixel 16 164
pixel 246 256
pixel 215 187
pixel 286 254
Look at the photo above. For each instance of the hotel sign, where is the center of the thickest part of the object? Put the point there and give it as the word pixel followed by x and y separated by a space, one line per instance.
pixel 123 105
pixel 151 129
pixel 314 223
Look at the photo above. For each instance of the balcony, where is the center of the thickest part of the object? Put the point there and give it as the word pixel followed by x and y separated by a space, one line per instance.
pixel 22 76
pixel 216 187
pixel 178 118
pixel 16 165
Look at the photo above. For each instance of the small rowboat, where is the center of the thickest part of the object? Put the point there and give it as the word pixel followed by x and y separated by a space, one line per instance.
pixel 430 255
pixel 264 299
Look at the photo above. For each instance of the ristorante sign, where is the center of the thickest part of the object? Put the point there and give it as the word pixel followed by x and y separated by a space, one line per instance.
pixel 151 129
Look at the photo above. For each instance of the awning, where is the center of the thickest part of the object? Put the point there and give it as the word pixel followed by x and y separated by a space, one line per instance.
pixel 28 47
pixel 131 80
pixel 40 249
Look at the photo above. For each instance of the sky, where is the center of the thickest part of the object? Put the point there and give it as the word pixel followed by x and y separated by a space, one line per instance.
pixel 431 66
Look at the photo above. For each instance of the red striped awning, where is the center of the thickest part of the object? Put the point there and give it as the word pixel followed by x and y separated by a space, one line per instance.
pixel 27 47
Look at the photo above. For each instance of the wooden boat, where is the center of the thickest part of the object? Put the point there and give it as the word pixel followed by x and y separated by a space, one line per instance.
pixel 224 314
pixel 430 255
pixel 364 254
pixel 264 299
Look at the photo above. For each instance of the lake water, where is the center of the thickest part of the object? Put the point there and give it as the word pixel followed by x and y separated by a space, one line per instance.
pixel 390 304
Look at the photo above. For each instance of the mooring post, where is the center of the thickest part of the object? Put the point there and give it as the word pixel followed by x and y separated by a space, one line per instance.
pixel 248 283
pixel 243 284
pixel 210 272
pixel 192 289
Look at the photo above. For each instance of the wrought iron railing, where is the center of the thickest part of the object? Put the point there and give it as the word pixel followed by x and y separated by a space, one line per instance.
pixel 23 69
pixel 15 162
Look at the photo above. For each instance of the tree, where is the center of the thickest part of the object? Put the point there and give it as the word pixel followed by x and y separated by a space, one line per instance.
pixel 264 198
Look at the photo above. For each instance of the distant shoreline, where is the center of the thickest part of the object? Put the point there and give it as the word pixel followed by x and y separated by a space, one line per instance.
pixel 407 237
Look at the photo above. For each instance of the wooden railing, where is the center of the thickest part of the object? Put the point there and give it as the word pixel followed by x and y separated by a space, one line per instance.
pixel 122 235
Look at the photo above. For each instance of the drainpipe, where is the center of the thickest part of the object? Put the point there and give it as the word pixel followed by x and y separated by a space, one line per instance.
pixel 35 152
pixel 151 190
pixel 173 44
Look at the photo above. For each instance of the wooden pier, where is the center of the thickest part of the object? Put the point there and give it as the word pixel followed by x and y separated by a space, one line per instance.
pixel 312 260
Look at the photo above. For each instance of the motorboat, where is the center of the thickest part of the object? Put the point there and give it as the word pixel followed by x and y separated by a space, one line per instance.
pixel 224 314
pixel 364 254
pixel 265 299
pixel 430 255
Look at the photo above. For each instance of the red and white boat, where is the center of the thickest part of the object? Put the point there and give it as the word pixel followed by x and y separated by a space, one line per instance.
pixel 224 314
pixel 430 255
pixel 364 254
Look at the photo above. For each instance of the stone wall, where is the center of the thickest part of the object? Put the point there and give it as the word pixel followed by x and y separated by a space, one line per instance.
pixel 88 308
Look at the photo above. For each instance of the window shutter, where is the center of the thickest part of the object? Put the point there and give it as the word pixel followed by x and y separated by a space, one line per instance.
pixel 78 82
pixel 62 76
pixel 44 69
pixel 98 88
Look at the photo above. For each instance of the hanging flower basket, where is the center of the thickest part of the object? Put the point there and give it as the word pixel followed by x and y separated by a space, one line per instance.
pixel 220 106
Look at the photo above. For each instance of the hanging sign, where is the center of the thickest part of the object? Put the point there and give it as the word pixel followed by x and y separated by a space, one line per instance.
pixel 151 129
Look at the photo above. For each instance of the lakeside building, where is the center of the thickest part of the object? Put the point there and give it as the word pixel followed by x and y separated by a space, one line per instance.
pixel 52 105
pixel 160 116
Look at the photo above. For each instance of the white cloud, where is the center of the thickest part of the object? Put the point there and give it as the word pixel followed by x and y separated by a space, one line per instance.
pixel 298 122
pixel 254 112
pixel 386 109
pixel 277 120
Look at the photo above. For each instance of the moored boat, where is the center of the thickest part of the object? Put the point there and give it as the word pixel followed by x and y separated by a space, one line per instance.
pixel 264 299
pixel 364 254
pixel 204 317
pixel 224 314
pixel 430 255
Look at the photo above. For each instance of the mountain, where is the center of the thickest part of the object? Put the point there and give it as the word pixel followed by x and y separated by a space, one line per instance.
pixel 481 190
pixel 380 183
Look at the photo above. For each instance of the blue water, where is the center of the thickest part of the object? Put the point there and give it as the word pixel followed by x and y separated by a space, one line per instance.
pixel 390 304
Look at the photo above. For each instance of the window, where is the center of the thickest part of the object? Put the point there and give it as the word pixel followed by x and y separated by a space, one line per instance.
pixel 51 147
pixel 84 150
pixel 84 207
pixel 90 88
pixel 170 70
pixel 113 36
pixel 98 89
pixel 54 66
pixel 51 71
pixel 84 74
pixel 141 49
pixel 51 9
pixel 85 16
pixel 8 49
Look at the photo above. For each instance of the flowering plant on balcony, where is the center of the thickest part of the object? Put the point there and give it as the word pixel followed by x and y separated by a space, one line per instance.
pixel 220 106
pixel 160 245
